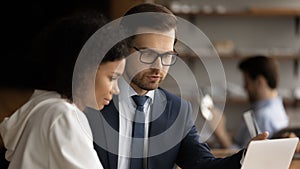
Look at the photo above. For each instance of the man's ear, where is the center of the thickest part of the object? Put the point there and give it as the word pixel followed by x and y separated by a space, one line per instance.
pixel 261 80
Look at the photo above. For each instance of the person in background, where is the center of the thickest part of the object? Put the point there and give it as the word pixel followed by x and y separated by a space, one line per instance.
pixel 170 135
pixel 261 78
pixel 41 126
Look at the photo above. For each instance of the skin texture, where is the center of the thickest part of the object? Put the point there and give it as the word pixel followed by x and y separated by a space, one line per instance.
pixel 144 77
pixel 258 89
pixel 106 81
pixel 251 86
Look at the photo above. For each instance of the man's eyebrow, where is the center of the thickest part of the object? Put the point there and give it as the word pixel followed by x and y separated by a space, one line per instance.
pixel 171 51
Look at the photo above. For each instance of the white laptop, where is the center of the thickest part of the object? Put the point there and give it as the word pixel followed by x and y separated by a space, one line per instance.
pixel 270 154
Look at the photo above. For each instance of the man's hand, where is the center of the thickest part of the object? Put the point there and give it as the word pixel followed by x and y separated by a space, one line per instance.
pixel 261 136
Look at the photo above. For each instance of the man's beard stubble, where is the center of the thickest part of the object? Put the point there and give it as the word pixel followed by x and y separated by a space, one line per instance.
pixel 139 82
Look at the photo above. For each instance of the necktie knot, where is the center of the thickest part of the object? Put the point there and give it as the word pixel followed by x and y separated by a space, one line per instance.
pixel 139 101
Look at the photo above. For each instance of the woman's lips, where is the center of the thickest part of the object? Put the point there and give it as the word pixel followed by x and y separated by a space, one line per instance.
pixel 106 101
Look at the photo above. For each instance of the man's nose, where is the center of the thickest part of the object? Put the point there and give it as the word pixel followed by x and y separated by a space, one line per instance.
pixel 157 64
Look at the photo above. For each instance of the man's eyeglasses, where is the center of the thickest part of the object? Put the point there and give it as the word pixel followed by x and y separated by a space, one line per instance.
pixel 149 56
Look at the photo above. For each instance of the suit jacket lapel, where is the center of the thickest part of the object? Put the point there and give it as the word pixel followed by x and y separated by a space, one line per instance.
pixel 111 128
pixel 160 122
pixel 160 113
pixel 111 114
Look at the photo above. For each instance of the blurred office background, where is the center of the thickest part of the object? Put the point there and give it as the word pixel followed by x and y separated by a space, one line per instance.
pixel 235 28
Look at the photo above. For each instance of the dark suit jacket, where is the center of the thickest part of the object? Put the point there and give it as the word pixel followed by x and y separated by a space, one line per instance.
pixel 178 141
pixel 3 162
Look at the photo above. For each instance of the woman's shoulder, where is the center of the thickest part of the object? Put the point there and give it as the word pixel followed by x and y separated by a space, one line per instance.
pixel 49 106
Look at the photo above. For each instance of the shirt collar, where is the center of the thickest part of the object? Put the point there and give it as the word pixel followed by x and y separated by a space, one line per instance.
pixel 264 103
pixel 150 94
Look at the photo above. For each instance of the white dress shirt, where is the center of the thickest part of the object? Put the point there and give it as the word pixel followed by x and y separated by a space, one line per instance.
pixel 127 109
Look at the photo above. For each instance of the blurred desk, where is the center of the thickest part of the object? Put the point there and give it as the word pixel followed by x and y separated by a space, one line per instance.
pixel 295 164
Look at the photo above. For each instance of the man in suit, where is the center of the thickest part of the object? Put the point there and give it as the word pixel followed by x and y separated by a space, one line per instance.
pixel 169 135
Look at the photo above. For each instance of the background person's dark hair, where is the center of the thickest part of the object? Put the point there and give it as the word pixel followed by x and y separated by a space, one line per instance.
pixel 164 22
pixel 261 65
pixel 58 46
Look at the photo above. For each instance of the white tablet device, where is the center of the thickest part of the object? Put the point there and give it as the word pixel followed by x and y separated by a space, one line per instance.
pixel 273 154
pixel 251 123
